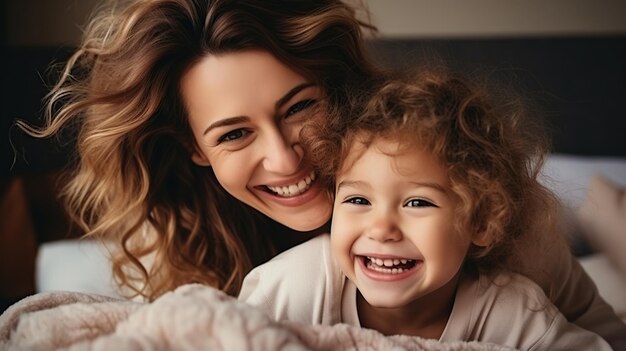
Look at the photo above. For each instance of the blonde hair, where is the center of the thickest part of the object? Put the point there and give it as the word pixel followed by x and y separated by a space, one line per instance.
pixel 120 93
pixel 492 152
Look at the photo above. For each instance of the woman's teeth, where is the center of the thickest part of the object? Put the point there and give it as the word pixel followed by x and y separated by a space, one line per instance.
pixel 294 189
pixel 389 266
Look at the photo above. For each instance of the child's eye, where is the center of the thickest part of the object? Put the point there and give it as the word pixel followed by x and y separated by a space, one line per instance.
pixel 300 106
pixel 357 201
pixel 419 203
pixel 233 135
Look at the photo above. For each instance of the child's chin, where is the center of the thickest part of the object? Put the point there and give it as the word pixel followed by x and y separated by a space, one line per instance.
pixel 379 301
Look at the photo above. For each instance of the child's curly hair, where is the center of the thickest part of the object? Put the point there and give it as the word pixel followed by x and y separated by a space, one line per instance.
pixel 492 152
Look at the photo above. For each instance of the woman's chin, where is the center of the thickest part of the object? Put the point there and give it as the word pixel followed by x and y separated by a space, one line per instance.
pixel 307 224
pixel 306 217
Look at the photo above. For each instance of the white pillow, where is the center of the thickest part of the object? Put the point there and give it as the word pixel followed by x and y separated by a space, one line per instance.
pixel 569 176
pixel 75 265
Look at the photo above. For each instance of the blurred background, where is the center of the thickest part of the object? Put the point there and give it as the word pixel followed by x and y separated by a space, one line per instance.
pixel 568 56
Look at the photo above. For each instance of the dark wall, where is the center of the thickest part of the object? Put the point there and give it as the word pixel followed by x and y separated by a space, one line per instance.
pixel 26 81
pixel 577 84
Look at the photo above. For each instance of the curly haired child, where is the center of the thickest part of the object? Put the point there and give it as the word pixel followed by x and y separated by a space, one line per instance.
pixel 435 195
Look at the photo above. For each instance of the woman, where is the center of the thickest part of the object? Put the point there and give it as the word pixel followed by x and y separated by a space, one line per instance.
pixel 188 117
pixel 131 87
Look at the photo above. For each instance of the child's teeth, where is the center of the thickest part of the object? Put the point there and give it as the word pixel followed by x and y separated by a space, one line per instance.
pixel 389 262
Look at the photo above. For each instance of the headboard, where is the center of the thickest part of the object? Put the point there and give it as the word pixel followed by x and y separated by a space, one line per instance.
pixel 578 84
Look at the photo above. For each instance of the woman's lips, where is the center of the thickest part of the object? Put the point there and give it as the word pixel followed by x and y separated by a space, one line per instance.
pixel 295 189
pixel 307 190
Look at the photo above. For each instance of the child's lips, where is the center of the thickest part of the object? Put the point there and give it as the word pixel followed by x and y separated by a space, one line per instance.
pixel 389 262
pixel 389 268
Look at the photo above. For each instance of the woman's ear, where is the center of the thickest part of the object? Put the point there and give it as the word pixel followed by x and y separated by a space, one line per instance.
pixel 200 159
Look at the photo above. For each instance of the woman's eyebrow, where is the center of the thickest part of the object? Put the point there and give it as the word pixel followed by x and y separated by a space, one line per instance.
pixel 241 119
pixel 226 122
pixel 283 100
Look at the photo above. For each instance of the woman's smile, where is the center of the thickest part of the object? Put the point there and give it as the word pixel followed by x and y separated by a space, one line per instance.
pixel 291 194
pixel 294 189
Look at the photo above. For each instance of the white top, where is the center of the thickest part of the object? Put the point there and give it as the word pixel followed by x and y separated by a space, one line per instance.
pixel 305 284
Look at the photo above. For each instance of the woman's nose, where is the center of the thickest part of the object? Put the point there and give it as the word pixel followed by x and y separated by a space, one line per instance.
pixel 282 157
pixel 384 229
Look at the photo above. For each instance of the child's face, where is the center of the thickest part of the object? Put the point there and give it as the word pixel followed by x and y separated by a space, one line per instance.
pixel 393 227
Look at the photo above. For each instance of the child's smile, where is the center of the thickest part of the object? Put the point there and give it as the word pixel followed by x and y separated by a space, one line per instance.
pixel 387 268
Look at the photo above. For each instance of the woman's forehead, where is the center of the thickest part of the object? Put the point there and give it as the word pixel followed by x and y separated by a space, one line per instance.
pixel 240 83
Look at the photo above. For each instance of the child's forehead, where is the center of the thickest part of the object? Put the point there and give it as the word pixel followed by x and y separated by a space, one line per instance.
pixel 389 145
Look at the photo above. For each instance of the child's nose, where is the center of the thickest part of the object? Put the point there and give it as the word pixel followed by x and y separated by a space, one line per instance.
pixel 384 230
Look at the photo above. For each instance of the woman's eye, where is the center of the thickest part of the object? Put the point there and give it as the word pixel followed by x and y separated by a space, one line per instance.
pixel 300 106
pixel 233 135
pixel 419 203
pixel 357 201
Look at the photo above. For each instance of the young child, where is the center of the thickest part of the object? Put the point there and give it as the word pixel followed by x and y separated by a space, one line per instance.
pixel 435 190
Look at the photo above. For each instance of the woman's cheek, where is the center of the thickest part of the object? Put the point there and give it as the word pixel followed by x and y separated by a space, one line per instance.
pixel 233 174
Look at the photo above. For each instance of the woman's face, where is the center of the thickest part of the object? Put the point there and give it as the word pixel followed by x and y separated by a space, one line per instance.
pixel 246 110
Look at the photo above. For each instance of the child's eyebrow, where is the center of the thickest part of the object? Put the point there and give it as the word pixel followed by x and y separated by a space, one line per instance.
pixel 352 184
pixel 435 186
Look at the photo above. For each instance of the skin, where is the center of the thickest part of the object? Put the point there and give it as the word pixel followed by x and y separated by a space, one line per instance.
pixel 246 110
pixel 398 206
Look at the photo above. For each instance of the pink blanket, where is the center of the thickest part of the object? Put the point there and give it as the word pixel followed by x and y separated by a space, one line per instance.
pixel 193 317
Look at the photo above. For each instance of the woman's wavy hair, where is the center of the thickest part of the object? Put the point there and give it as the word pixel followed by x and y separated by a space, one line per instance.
pixel 492 149
pixel 120 92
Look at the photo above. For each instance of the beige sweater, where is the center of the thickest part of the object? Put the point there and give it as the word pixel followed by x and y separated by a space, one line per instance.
pixel 304 284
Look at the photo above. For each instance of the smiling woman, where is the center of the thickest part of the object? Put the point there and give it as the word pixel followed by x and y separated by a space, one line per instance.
pixel 252 138
pixel 189 115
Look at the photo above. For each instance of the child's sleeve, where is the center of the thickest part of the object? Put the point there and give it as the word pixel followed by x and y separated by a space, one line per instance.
pixel 300 284
pixel 563 335
pixel 510 309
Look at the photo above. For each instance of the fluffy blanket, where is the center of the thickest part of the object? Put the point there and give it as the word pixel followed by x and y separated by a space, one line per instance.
pixel 193 317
